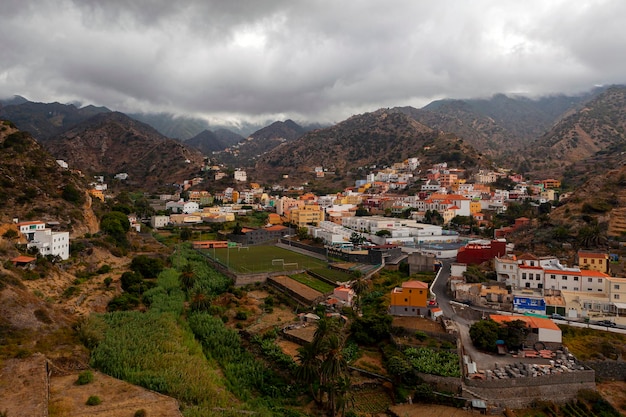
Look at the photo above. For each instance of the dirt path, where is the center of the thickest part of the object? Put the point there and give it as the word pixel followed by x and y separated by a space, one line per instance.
pixel 428 410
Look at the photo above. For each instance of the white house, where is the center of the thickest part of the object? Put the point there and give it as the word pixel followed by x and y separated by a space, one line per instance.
pixel 51 243
pixel 159 221
pixel 121 176
pixel 28 229
pixel 181 206
pixel 241 175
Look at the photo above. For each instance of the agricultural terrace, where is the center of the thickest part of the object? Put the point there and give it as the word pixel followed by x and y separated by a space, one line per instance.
pixel 312 282
pixel 333 274
pixel 255 259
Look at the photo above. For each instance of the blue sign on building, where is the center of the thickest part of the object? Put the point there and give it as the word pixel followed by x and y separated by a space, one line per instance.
pixel 529 303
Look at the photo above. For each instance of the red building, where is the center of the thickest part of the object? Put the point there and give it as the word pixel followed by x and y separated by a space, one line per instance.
pixel 478 251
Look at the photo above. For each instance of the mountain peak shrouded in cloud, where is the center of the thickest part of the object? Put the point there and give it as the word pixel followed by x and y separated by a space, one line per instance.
pixel 308 61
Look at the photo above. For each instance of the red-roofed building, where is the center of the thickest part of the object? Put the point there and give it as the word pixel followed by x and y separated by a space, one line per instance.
pixel 541 329
pixel 22 260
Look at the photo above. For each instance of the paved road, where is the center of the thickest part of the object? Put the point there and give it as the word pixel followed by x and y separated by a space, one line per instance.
pixel 483 360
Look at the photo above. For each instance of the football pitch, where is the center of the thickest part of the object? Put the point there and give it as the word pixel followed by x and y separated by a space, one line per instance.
pixel 255 259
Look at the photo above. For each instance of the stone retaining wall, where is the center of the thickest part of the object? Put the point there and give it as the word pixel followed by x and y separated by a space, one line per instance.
pixel 522 392
pixel 608 369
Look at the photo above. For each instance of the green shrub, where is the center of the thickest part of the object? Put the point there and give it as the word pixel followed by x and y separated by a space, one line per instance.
pixel 84 378
pixel 421 336
pixel 93 400
pixel 104 269
pixel 241 315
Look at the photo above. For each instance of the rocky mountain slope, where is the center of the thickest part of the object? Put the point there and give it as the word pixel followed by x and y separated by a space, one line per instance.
pixel 112 143
pixel 260 142
pixel 208 142
pixel 596 128
pixel 34 187
pixel 45 120
pixel 379 138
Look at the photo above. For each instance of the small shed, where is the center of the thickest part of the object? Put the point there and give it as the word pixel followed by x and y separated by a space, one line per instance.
pixel 22 260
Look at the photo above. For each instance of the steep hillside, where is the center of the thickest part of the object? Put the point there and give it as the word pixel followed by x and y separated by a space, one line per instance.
pixel 458 117
pixel 261 142
pixel 33 186
pixel 113 143
pixel 168 125
pixel 597 127
pixel 208 142
pixel 44 120
pixel 379 138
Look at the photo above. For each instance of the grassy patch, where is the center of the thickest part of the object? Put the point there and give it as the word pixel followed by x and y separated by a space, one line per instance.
pixel 313 282
pixel 586 343
pixel 333 274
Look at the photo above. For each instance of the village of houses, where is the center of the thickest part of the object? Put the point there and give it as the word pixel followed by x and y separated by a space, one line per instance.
pixel 536 290
pixel 525 283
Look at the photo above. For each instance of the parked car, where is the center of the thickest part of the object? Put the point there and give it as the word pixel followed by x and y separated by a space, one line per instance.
pixel 607 323
pixel 558 316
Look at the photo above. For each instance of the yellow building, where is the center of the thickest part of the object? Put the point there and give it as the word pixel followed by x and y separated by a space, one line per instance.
pixel 595 261
pixel 307 215
pixel 99 194
pixel 475 207
pixel 409 300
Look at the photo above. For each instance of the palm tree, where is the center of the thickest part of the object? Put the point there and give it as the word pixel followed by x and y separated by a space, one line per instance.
pixel 200 301
pixel 187 277
pixel 308 370
pixel 334 367
pixel 360 286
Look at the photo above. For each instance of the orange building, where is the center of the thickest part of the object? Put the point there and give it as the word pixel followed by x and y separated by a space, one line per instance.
pixel 410 300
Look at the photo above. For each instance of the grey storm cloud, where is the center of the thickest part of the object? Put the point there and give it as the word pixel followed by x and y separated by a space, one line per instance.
pixel 308 60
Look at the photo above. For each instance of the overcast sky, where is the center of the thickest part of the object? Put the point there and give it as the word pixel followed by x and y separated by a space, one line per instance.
pixel 306 60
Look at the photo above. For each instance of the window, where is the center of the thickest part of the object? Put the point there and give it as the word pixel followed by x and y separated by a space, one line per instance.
pixel 593 261
pixel 564 278
pixel 552 276
pixel 532 263
pixel 538 277
pixel 600 261
pixel 575 278
pixel 575 288
pixel 524 275
pixel 599 280
pixel 589 289
pixel 589 279
pixel 564 287
pixel 616 296
pixel 528 285
pixel 406 300
pixel 616 286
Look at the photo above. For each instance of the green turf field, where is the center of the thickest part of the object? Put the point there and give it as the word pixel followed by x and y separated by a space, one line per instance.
pixel 263 259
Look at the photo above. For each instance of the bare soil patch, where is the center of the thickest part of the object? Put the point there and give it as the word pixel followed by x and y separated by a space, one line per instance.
pixel 118 398
pixel 371 360
pixel 418 323
pixel 302 290
pixel 615 393
pixel 288 347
